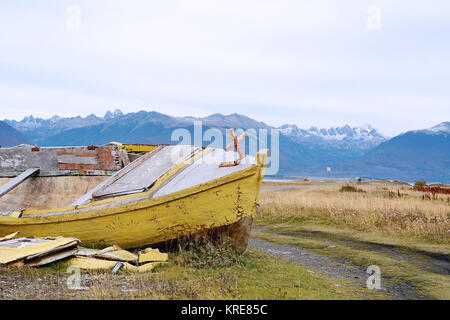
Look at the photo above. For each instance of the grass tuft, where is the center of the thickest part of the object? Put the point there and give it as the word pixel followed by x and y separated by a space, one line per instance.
pixel 349 188
pixel 209 255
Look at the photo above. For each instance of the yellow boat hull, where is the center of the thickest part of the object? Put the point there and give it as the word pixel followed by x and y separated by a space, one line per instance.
pixel 131 221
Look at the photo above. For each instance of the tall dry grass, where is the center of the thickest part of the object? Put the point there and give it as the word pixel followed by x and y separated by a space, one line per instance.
pixel 373 210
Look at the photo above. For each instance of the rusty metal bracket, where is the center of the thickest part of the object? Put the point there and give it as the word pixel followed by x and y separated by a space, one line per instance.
pixel 91 147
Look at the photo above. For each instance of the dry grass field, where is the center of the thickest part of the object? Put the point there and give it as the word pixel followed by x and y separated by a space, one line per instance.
pixel 394 210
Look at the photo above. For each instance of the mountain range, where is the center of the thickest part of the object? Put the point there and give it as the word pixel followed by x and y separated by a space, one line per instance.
pixel 350 151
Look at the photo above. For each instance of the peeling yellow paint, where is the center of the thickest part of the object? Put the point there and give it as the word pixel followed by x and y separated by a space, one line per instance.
pixel 139 148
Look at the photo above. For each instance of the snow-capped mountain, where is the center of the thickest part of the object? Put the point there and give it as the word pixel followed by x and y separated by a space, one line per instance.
pixel 422 154
pixel 442 128
pixel 346 137
pixel 342 141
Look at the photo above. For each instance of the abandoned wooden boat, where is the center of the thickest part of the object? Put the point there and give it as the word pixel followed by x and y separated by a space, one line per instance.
pixel 129 195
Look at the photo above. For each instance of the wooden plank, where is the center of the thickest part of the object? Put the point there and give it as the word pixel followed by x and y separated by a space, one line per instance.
pixel 86 198
pixel 50 258
pixel 7 187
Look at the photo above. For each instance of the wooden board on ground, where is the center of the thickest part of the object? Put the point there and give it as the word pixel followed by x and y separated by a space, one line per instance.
pixel 36 251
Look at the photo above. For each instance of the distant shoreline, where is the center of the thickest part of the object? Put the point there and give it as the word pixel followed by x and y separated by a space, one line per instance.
pixel 304 179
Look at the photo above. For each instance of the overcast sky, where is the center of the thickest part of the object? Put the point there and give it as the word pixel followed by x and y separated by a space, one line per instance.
pixel 312 63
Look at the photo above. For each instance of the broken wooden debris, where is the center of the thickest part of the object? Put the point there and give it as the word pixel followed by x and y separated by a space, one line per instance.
pixel 86 252
pixel 108 258
pixel 118 255
pixel 92 263
pixel 36 251
pixel 116 259
pixel 54 257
